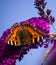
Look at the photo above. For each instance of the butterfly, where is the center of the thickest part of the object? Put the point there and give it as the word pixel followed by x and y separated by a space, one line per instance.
pixel 25 34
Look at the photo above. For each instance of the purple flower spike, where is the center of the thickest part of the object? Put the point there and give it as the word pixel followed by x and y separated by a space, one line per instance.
pixel 9 54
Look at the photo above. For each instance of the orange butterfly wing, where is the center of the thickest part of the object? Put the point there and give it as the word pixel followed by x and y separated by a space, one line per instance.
pixel 35 34
pixel 12 39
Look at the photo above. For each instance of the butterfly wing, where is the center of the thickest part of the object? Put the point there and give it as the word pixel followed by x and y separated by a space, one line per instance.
pixel 35 35
pixel 13 39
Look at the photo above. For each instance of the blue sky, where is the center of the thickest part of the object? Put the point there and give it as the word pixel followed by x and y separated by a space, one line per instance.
pixel 12 11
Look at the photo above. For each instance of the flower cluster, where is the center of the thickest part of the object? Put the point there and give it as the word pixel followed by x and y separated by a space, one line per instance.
pixel 40 5
pixel 9 54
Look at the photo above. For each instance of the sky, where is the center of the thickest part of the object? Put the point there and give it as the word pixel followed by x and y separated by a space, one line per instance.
pixel 12 11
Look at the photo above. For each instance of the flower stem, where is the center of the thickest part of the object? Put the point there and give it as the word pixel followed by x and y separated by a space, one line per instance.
pixel 52 34
pixel 54 26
